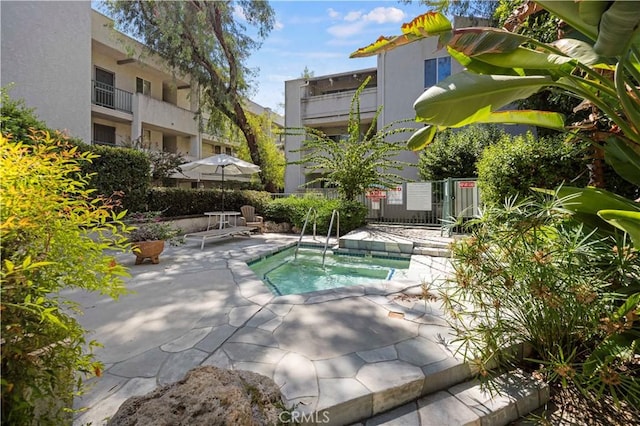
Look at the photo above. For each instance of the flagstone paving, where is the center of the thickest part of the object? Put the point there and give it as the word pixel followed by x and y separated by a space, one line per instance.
pixel 346 354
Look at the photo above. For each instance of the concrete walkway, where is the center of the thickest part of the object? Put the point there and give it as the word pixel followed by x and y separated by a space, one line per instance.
pixel 340 356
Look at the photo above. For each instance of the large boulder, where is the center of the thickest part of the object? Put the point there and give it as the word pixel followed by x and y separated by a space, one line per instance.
pixel 206 396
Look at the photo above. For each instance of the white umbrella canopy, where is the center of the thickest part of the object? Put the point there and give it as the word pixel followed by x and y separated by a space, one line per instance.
pixel 220 164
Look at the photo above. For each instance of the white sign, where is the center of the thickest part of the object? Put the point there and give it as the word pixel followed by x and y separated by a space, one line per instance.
pixel 394 195
pixel 419 196
pixel 375 204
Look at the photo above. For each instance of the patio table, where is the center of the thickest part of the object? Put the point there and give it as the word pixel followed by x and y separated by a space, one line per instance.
pixel 224 218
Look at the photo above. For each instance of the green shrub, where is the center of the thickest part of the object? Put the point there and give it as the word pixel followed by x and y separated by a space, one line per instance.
pixel 175 202
pixel 531 274
pixel 454 152
pixel 123 172
pixel 54 237
pixel 294 210
pixel 516 163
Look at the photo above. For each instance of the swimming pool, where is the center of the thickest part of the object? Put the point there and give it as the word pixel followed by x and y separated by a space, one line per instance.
pixel 285 275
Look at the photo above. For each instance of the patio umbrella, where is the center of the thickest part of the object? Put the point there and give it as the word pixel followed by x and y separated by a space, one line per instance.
pixel 221 164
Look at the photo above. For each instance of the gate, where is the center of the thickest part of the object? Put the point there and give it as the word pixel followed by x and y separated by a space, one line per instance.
pixel 423 203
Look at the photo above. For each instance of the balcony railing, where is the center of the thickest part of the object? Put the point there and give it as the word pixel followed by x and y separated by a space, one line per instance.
pixel 110 97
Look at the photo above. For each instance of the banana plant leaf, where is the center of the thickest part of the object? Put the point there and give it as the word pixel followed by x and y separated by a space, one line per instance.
pixel 550 120
pixel 484 40
pixel 476 66
pixel 618 26
pixel 465 98
pixel 628 221
pixel 529 59
pixel 586 203
pixel 591 200
pixel 425 25
pixel 569 11
pixel 577 49
pixel 421 138
pixel 624 158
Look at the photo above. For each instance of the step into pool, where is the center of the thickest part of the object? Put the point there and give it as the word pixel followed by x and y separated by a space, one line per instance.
pixel 285 275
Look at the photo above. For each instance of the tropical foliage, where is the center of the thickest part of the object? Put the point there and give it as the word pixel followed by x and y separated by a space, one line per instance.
pixel 54 234
pixel 522 255
pixel 502 67
pixel 363 160
pixel 530 273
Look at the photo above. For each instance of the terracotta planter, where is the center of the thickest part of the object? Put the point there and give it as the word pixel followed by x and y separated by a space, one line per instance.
pixel 148 249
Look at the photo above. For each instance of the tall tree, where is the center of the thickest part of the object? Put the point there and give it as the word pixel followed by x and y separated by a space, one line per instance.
pixel 210 42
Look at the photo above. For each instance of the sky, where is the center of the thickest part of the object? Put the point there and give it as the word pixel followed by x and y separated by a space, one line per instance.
pixel 320 35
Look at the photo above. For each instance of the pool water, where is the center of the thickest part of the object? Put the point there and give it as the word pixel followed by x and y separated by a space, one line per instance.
pixel 285 275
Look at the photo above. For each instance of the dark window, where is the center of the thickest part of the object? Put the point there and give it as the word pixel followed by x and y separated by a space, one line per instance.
pixel 217 149
pixel 228 151
pixel 143 86
pixel 104 134
pixel 104 88
pixel 436 70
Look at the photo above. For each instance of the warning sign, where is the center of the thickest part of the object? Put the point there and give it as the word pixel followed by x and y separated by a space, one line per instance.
pixel 467 184
pixel 395 195
pixel 376 194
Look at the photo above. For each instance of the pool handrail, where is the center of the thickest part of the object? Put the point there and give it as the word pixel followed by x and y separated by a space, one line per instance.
pixel 334 213
pixel 306 220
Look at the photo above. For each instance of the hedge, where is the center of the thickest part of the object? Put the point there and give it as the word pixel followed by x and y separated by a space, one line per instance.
pixel 175 202
pixel 515 164
pixel 294 211
pixel 121 171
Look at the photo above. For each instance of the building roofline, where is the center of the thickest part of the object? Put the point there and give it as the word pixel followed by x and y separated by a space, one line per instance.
pixel 325 76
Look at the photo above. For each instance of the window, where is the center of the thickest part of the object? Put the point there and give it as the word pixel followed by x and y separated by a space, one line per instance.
pixel 436 70
pixel 104 88
pixel 217 149
pixel 104 134
pixel 228 151
pixel 143 86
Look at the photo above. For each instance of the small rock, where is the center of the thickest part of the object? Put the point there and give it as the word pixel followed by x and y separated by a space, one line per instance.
pixel 206 396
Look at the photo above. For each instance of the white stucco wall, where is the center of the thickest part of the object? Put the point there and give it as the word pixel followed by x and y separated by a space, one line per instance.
pixel 46 51
pixel 401 77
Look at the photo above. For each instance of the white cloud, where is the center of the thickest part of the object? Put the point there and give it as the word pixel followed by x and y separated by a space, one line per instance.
pixel 353 16
pixel 384 15
pixel 278 26
pixel 333 14
pixel 346 30
pixel 356 21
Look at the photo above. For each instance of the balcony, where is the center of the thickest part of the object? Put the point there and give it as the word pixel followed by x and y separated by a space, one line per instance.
pixel 164 115
pixel 334 107
pixel 108 96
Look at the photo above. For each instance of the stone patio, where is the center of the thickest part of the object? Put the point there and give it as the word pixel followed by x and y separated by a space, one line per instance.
pixel 340 356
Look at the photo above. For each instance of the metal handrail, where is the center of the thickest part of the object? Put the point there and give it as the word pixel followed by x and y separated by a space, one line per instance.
pixel 110 97
pixel 326 243
pixel 306 220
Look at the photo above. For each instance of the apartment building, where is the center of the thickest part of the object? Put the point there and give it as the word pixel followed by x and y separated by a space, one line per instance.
pixel 400 76
pixel 66 60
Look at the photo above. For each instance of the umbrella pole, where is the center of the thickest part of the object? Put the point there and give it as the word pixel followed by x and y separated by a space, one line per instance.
pixel 222 187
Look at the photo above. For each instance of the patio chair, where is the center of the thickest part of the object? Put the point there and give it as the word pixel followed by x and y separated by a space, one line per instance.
pixel 249 218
